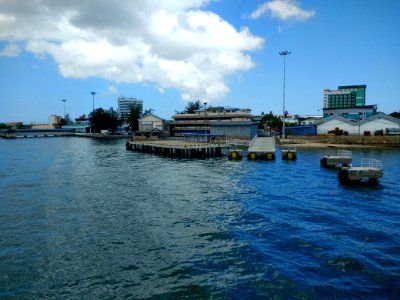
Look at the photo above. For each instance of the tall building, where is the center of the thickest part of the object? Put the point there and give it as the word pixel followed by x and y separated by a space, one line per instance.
pixel 345 96
pixel 348 102
pixel 124 105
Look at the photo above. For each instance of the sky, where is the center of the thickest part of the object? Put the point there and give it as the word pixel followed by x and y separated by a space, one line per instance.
pixel 223 52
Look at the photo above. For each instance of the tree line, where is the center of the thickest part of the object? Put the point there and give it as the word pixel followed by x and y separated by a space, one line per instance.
pixel 109 119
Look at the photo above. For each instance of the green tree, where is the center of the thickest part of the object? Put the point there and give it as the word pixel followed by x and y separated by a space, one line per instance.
pixel 4 126
pixel 271 121
pixel 148 111
pixel 395 114
pixel 135 113
pixel 192 106
pixel 102 119
pixel 114 121
pixel 63 121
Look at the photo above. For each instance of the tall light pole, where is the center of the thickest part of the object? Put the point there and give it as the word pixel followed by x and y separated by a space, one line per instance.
pixel 93 93
pixel 64 100
pixel 284 53
pixel 205 118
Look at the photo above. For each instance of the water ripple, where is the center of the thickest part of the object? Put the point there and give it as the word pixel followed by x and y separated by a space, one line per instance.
pixel 84 218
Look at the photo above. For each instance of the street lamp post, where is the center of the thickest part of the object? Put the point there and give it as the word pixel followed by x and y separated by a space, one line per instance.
pixel 64 100
pixel 93 93
pixel 205 118
pixel 284 53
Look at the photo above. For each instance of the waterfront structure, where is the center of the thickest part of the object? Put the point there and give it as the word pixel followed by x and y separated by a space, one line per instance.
pixel 342 159
pixel 370 171
pixel 240 130
pixel 375 125
pixel 233 122
pixel 345 96
pixel 185 149
pixel 48 131
pixel 380 124
pixel 261 148
pixel 54 119
pixel 124 105
pixel 289 152
pixel 78 127
pixel 151 124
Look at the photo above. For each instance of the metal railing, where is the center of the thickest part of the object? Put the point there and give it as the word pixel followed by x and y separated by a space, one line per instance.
pixel 372 163
pixel 344 153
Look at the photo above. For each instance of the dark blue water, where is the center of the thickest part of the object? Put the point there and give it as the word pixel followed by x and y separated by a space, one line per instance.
pixel 86 219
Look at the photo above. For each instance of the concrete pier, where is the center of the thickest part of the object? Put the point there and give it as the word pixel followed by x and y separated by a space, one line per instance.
pixel 234 152
pixel 289 153
pixel 262 148
pixel 176 148
pixel 370 171
pixel 342 159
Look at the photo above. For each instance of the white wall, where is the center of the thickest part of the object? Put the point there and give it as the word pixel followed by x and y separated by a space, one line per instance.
pixel 324 127
pixel 378 124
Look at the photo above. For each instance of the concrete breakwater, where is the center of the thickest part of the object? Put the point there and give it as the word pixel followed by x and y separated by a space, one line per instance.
pixel 380 141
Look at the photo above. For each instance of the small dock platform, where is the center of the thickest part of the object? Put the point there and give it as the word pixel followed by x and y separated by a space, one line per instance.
pixel 234 153
pixel 171 148
pixel 262 148
pixel 370 171
pixel 342 159
pixel 289 153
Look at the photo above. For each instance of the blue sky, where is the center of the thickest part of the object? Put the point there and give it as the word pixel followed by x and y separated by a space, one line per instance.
pixel 223 52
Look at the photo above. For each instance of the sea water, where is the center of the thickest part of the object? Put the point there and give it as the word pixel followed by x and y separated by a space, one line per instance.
pixel 84 218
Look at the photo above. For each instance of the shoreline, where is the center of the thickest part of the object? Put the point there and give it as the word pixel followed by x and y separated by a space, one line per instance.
pixel 341 141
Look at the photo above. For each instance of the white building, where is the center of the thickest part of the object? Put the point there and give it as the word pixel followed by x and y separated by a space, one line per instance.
pixel 54 119
pixel 124 105
pixel 150 122
pixel 379 122
pixel 337 123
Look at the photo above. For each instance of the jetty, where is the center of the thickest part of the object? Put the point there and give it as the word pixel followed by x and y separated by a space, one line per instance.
pixel 183 149
pixel 289 152
pixel 262 148
pixel 369 171
pixel 342 159
pixel 234 152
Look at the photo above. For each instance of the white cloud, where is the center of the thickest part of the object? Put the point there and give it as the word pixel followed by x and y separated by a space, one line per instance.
pixel 169 44
pixel 111 91
pixel 286 10
pixel 10 50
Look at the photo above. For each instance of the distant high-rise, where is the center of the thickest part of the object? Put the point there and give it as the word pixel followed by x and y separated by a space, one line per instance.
pixel 345 96
pixel 124 105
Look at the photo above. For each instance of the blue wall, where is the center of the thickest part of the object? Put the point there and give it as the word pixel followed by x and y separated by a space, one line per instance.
pixel 301 130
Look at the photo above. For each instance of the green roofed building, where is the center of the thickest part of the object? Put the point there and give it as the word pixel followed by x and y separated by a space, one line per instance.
pixel 345 96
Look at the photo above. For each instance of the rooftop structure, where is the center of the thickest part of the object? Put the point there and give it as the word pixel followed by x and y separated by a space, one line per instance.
pixel 345 96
